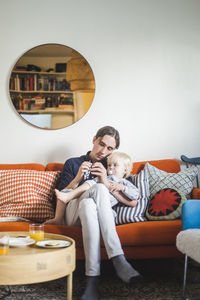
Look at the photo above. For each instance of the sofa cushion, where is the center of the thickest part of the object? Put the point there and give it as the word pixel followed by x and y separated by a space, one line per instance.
pixel 165 205
pixel 127 214
pixel 149 233
pixel 27 194
pixel 158 179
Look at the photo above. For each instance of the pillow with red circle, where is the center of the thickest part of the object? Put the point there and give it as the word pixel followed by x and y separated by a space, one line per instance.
pixel 165 204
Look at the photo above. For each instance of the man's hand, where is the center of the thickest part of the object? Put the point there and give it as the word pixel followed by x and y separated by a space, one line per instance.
pixel 116 187
pixel 84 167
pixel 98 170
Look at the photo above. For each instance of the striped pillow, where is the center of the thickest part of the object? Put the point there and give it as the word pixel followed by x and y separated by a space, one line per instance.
pixel 127 214
pixel 27 194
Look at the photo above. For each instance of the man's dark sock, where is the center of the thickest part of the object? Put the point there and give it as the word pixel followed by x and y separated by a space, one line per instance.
pixel 91 291
pixel 124 270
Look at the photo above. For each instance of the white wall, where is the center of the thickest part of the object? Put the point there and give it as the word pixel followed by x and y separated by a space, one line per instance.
pixel 146 59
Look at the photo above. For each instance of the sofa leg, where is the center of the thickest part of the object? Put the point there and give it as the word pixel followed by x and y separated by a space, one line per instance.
pixel 185 275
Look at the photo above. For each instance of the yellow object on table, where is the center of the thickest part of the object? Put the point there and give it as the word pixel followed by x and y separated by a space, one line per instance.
pixel 4 245
pixel 36 232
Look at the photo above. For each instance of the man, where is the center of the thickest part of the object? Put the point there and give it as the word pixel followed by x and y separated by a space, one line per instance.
pixel 93 210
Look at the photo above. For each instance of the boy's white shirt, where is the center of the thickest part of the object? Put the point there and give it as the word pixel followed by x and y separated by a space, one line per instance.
pixel 131 191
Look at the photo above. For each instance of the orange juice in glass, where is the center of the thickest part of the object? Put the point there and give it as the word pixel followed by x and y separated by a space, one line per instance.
pixel 36 232
pixel 4 245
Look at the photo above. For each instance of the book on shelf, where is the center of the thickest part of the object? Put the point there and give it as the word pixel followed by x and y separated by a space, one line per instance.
pixel 37 82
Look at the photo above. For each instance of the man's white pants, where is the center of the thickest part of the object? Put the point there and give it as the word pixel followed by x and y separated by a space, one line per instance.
pixel 93 212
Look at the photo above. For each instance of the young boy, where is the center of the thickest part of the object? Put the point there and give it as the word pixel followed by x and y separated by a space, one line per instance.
pixel 119 168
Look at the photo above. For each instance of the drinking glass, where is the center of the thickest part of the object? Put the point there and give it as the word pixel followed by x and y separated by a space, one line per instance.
pixel 4 245
pixel 36 232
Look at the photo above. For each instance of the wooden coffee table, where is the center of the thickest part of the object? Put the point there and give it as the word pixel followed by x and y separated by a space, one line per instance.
pixel 32 264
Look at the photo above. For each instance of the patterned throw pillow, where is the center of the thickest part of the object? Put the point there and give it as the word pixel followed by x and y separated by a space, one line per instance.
pixel 165 205
pixel 158 179
pixel 27 194
pixel 127 214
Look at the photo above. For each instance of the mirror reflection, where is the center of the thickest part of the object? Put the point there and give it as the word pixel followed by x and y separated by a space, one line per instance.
pixel 52 86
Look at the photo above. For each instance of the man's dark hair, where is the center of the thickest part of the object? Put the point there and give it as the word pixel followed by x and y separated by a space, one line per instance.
pixel 109 130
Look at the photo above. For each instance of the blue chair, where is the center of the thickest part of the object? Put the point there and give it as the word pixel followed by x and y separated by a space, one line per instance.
pixel 187 160
pixel 191 161
pixel 190 220
pixel 191 214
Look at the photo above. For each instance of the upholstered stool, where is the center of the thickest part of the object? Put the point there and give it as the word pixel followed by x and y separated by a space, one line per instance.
pixel 188 242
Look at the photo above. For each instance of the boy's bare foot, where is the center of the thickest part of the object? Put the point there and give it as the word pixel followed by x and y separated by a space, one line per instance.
pixel 53 221
pixel 62 196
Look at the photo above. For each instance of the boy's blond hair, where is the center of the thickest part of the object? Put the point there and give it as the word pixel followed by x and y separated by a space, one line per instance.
pixel 122 157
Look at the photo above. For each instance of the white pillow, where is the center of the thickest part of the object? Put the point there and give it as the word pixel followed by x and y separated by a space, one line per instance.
pixel 158 179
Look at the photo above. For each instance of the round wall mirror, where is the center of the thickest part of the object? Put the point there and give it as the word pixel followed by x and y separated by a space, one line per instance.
pixel 52 86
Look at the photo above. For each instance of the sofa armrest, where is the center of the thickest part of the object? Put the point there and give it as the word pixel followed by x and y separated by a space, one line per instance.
pixel 196 193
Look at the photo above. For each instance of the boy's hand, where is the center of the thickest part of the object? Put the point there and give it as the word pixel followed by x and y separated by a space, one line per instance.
pixel 116 187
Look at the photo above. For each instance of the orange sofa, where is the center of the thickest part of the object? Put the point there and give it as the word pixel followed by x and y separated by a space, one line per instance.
pixel 149 239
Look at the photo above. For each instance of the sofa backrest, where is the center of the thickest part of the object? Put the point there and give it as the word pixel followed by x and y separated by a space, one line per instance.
pixel 168 165
pixel 54 167
pixel 31 166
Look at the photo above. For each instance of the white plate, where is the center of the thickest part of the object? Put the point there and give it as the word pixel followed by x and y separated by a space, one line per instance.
pixel 12 219
pixel 51 244
pixel 20 241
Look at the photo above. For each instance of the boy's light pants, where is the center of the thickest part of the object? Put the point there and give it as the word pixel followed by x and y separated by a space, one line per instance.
pixel 93 212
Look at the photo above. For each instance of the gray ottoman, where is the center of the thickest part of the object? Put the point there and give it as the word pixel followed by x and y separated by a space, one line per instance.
pixel 188 242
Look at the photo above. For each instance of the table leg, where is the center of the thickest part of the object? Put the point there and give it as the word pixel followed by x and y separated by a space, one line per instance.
pixel 69 287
